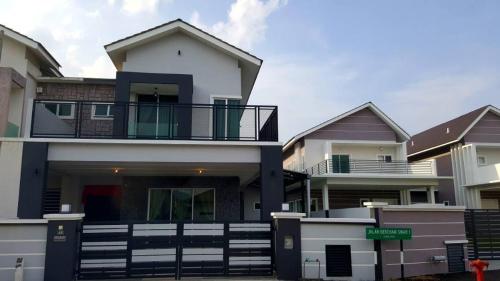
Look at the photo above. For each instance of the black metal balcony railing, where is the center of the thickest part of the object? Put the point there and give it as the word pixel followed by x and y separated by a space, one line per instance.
pixel 169 121
pixel 353 166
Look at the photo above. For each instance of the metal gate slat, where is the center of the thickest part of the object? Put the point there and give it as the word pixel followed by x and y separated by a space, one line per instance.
pixel 147 250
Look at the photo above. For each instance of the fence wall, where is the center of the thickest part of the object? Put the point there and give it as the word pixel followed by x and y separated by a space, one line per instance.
pixel 434 229
pixel 483 233
pixel 26 239
pixel 318 233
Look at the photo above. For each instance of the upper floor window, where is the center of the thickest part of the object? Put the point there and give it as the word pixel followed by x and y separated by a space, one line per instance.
pixel 102 111
pixel 481 160
pixel 63 110
pixel 384 158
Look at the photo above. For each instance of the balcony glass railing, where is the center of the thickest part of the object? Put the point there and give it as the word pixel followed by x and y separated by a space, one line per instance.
pixel 169 121
pixel 353 166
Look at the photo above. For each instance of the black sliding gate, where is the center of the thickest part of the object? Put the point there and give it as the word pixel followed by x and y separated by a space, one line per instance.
pixel 482 228
pixel 175 250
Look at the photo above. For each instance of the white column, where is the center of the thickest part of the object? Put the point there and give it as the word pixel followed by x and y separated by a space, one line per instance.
pixel 308 195
pixel 430 195
pixel 403 196
pixel 326 204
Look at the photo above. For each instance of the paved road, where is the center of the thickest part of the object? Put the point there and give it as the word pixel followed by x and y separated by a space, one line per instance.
pixel 493 275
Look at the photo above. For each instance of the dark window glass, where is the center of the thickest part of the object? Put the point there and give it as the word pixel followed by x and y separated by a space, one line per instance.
pixel 101 110
pixel 52 107
pixel 203 208
pixel 65 109
pixel 418 196
pixel 159 204
pixel 182 202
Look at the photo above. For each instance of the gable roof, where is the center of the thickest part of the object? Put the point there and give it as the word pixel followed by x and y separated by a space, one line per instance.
pixel 369 105
pixel 34 46
pixel 447 133
pixel 249 64
pixel 172 26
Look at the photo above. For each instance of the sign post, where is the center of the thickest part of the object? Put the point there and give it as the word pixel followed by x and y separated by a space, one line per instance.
pixel 381 233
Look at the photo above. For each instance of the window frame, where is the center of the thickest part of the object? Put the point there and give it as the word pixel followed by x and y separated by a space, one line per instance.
pixel 384 156
pixel 58 109
pixel 171 198
pixel 109 115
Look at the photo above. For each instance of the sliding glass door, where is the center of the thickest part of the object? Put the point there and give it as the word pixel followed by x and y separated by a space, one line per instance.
pixel 226 123
pixel 181 204
pixel 156 118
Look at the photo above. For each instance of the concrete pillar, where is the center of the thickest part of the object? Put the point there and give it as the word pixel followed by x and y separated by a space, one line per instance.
pixel 430 195
pixel 287 245
pixel 62 246
pixel 272 193
pixel 326 203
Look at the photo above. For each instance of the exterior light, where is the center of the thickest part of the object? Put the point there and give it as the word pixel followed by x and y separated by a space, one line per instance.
pixel 116 170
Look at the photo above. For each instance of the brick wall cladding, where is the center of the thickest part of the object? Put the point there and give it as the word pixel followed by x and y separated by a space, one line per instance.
pixel 83 92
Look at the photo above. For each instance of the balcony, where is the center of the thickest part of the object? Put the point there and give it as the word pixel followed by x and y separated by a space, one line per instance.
pixel 353 166
pixel 488 174
pixel 158 121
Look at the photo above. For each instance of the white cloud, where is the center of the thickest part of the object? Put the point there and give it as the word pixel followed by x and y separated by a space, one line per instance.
pixel 139 6
pixel 425 103
pixel 246 23
pixel 100 68
pixel 307 91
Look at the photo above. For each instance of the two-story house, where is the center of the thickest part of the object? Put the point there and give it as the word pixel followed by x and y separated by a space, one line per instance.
pixel 171 140
pixel 357 157
pixel 468 149
pixel 22 61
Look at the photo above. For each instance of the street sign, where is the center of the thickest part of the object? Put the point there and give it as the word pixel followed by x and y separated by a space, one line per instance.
pixel 388 233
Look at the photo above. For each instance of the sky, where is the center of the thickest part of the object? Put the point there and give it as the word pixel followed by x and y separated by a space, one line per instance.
pixel 422 62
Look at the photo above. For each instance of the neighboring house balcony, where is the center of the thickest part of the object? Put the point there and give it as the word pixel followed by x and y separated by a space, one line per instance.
pixel 154 121
pixel 488 173
pixel 339 166
pixel 348 183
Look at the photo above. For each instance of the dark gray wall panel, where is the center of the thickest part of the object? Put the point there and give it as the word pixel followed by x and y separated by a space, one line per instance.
pixel 33 179
pixel 272 192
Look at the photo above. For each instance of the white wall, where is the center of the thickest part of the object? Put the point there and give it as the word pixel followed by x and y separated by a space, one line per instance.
pixel 27 240
pixel 315 236
pixel 316 149
pixel 214 73
pixel 133 152
pixel 16 107
pixel 10 177
pixel 364 152
pixel 492 154
pixel 14 55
